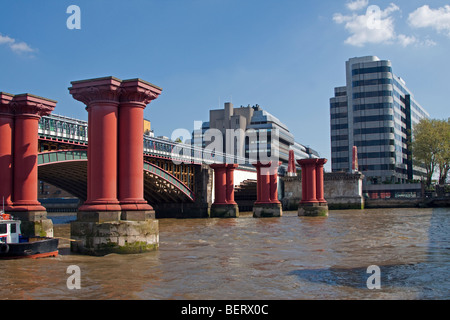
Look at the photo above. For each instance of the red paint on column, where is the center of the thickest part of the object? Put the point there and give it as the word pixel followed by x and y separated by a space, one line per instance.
pixel 6 149
pixel 319 180
pixel 308 180
pixel 101 97
pixel 135 95
pixel 258 184
pixel 220 183
pixel 230 183
pixel 263 183
pixel 274 184
pixel 28 110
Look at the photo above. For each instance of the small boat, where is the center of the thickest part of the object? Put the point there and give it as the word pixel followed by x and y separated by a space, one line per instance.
pixel 13 245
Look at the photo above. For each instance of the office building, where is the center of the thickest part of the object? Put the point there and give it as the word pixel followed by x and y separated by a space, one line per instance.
pixel 252 119
pixel 375 112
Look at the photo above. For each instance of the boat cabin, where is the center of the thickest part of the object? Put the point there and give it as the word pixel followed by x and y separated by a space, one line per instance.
pixel 9 229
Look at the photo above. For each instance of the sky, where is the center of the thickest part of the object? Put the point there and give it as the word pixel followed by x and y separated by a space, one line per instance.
pixel 285 55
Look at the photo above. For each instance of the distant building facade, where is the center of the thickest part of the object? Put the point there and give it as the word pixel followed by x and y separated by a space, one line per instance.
pixel 255 119
pixel 375 112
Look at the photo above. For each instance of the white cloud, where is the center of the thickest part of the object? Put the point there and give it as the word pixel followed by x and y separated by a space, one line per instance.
pixel 425 17
pixel 376 26
pixel 17 47
pixel 406 41
pixel 357 4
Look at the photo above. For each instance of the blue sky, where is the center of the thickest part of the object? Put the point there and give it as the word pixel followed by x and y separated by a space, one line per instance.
pixel 286 55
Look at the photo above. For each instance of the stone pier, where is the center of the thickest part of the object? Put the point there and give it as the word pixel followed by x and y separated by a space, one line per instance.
pixel 224 205
pixel 267 204
pixel 115 217
pixel 313 202
pixel 19 122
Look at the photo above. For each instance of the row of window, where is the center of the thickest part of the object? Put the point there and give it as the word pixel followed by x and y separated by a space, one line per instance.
pixel 339 115
pixel 376 155
pixel 339 149
pixel 338 104
pixel 339 137
pixel 339 126
pixel 371 143
pixel 374 130
pixel 384 117
pixel 356 72
pixel 372 106
pixel 372 94
pixel 372 82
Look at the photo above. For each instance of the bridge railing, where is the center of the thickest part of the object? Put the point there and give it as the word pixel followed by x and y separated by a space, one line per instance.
pixel 76 131
pixel 60 156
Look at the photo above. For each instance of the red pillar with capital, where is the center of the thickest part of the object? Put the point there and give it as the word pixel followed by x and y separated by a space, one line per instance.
pixel 6 149
pixel 313 202
pixel 115 218
pixel 28 110
pixel 136 94
pixel 230 183
pixel 274 184
pixel 267 204
pixel 224 205
pixel 101 97
pixel 319 180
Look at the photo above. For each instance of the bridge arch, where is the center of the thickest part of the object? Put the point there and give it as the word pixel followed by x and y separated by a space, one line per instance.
pixel 67 169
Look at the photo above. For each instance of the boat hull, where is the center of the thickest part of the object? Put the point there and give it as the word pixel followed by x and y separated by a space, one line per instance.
pixel 37 247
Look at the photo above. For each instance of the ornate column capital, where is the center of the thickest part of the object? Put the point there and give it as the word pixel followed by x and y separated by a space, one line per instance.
pixel 96 90
pixel 30 105
pixel 137 91
pixel 307 162
pixel 6 106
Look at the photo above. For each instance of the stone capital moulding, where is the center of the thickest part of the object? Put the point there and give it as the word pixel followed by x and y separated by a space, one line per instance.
pixel 6 107
pixel 96 90
pixel 114 90
pixel 137 91
pixel 26 105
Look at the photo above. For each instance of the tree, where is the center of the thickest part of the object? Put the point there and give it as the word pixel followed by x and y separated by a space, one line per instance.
pixel 443 155
pixel 431 147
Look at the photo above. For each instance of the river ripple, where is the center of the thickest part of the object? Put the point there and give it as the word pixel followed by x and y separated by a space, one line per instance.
pixel 276 258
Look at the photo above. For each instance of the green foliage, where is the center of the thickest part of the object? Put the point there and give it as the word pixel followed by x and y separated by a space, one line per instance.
pixel 431 146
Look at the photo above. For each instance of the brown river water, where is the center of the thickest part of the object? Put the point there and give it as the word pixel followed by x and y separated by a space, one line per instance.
pixel 283 258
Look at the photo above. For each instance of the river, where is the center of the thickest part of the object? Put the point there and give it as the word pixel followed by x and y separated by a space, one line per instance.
pixel 246 258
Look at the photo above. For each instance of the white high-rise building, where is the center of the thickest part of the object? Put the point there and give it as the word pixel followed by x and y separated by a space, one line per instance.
pixel 375 112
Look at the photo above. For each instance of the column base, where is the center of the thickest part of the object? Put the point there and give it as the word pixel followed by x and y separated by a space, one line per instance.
pixel 137 215
pixel 224 211
pixel 122 237
pixel 136 211
pixel 319 209
pixel 34 223
pixel 100 206
pixel 267 210
pixel 98 216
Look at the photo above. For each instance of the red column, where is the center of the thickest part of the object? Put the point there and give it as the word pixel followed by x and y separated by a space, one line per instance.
pixel 28 111
pixel 319 180
pixel 135 95
pixel 220 183
pixel 274 184
pixel 101 97
pixel 263 184
pixel 308 180
pixel 258 184
pixel 6 149
pixel 230 183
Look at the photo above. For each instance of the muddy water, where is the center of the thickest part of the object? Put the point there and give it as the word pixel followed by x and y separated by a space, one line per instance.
pixel 278 258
